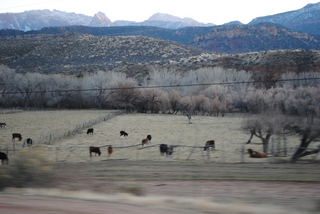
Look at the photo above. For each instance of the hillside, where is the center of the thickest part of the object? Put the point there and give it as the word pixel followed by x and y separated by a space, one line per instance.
pixel 229 39
pixel 78 53
pixel 306 19
pixel 261 37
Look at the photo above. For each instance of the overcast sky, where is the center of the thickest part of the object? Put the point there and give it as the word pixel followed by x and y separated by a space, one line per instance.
pixel 206 11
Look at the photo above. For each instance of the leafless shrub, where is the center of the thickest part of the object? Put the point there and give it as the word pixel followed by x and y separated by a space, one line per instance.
pixel 28 168
pixel 132 189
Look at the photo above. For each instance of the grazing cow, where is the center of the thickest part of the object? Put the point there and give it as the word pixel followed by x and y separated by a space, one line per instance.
pixel 165 149
pixel 95 150
pixel 255 154
pixel 146 140
pixel 3 125
pixel 90 131
pixel 110 150
pixel 28 142
pixel 4 158
pixel 209 143
pixel 16 135
pixel 123 133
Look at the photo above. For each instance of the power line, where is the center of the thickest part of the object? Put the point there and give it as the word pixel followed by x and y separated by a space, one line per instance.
pixel 165 86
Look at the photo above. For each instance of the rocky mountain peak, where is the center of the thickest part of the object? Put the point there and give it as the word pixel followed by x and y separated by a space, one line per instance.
pixel 100 20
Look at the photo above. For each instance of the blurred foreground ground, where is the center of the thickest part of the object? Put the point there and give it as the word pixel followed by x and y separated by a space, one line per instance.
pixel 119 186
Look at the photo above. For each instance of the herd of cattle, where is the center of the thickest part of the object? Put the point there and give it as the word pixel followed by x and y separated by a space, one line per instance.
pixel 164 148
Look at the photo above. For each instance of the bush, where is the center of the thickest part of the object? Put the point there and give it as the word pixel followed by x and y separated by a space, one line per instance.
pixel 29 168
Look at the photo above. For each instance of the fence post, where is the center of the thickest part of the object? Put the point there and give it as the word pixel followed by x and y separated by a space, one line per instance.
pixel 242 154
pixel 285 146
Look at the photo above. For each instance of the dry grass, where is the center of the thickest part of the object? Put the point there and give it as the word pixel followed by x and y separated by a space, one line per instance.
pixel 168 129
pixel 29 167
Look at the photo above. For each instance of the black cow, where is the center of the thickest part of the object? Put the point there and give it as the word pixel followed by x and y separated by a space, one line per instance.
pixel 95 150
pixel 164 148
pixel 209 143
pixel 3 125
pixel 90 131
pixel 28 141
pixel 4 158
pixel 123 133
pixel 16 135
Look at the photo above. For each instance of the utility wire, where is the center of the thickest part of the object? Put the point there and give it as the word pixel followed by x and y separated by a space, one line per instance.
pixel 165 86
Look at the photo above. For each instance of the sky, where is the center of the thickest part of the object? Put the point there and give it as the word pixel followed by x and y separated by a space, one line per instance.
pixel 205 11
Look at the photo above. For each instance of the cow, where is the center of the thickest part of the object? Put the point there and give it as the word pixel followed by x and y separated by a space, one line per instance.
pixel 16 135
pixel 4 158
pixel 209 143
pixel 95 150
pixel 3 125
pixel 146 140
pixel 28 141
pixel 165 149
pixel 255 154
pixel 90 131
pixel 123 133
pixel 110 150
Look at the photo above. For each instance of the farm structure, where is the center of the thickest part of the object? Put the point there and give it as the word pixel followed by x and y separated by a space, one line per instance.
pixel 72 144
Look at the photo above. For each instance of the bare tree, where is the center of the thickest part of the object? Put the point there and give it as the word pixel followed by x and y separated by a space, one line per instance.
pixel 97 86
pixel 151 98
pixel 125 95
pixel 263 126
pixel 186 104
pixel 7 76
pixel 174 100
pixel 26 85
pixel 309 133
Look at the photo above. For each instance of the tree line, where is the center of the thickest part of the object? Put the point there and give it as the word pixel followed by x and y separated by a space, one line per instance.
pixel 295 98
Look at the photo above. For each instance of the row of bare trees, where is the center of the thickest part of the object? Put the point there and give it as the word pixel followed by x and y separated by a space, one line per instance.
pixel 207 91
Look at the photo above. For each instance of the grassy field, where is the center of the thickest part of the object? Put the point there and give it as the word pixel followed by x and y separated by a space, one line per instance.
pixel 221 177
pixel 168 129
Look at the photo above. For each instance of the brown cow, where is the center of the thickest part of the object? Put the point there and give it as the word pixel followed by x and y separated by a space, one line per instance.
pixel 90 131
pixel 255 154
pixel 4 158
pixel 95 150
pixel 146 140
pixel 110 150
pixel 209 143
pixel 16 135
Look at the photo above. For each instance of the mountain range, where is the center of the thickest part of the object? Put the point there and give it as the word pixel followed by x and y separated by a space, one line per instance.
pixel 75 44
pixel 306 19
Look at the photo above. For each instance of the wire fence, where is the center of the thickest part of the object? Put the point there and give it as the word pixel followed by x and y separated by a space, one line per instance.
pixel 52 138
pixel 180 152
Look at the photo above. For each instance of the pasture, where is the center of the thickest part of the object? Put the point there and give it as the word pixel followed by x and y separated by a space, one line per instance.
pixel 225 177
pixel 168 129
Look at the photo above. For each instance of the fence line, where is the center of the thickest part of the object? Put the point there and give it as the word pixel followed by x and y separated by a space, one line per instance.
pixel 10 110
pixel 52 138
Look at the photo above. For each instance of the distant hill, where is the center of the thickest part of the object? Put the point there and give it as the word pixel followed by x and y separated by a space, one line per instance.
pixel 229 39
pixel 78 53
pixel 249 38
pixel 306 19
